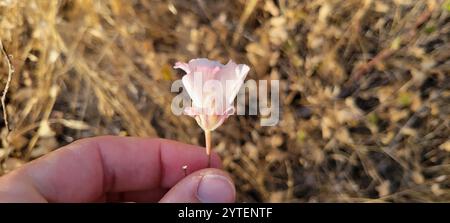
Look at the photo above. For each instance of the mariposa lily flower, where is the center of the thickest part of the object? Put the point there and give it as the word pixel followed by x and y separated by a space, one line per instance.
pixel 212 87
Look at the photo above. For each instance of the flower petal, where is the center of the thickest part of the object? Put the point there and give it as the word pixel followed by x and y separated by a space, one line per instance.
pixel 207 68
pixel 183 66
pixel 204 62
pixel 241 72
pixel 194 91
pixel 200 71
pixel 232 77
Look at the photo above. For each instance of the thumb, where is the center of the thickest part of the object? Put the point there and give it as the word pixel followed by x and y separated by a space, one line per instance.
pixel 203 186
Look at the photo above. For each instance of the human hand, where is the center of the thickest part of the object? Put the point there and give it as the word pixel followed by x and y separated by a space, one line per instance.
pixel 119 169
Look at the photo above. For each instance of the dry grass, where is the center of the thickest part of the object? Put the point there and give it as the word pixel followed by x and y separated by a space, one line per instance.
pixel 364 87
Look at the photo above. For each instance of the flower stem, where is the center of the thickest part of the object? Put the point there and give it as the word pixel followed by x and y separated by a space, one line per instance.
pixel 208 146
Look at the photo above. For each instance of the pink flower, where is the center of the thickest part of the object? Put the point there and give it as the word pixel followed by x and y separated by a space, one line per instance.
pixel 212 87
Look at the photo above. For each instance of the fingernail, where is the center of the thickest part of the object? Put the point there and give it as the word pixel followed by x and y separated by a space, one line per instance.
pixel 215 189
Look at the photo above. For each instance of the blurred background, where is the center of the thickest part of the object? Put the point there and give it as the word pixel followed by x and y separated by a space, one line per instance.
pixel 364 88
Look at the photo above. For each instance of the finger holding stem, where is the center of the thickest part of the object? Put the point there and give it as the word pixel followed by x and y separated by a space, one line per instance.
pixel 208 146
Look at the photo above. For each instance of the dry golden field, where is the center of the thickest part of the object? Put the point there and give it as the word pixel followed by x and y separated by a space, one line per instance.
pixel 364 88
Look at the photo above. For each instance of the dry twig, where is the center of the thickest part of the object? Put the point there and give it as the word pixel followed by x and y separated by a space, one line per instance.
pixel 8 82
